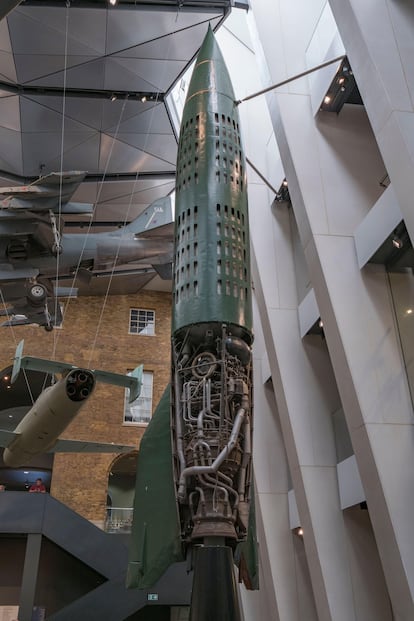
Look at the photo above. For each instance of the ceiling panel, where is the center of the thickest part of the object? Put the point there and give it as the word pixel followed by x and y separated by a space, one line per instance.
pixel 46 69
pixel 7 67
pixel 10 151
pixel 144 25
pixel 42 152
pixel 40 118
pixel 10 113
pixel 159 145
pixel 118 156
pixel 175 46
pixel 89 74
pixel 150 118
pixel 137 75
pixel 88 112
pixel 42 30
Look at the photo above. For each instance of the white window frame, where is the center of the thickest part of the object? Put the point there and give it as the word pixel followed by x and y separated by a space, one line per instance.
pixel 139 412
pixel 142 316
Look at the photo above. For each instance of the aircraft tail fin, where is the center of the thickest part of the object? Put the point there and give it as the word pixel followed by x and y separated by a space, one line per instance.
pixel 17 361
pixel 152 220
pixel 6 437
pixel 133 380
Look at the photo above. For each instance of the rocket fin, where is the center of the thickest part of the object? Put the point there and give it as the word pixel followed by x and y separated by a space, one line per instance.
pixel 246 556
pixel 156 532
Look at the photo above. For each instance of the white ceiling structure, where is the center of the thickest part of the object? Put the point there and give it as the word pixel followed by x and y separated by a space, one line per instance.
pixel 84 86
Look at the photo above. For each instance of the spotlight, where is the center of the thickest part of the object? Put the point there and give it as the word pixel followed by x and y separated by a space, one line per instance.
pixel 300 532
pixel 327 99
pixel 397 242
pixel 320 323
pixel 113 97
pixel 113 2
pixel 285 183
pixel 143 98
pixel 341 80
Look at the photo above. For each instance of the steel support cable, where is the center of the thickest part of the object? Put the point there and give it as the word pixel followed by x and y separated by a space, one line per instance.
pixel 62 142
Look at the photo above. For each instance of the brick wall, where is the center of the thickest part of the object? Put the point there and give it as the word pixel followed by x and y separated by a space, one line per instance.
pixel 80 480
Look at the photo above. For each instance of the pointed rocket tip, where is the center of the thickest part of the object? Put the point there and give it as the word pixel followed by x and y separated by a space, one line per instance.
pixel 209 49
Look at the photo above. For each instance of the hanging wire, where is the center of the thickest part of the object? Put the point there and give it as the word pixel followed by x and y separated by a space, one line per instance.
pixel 62 143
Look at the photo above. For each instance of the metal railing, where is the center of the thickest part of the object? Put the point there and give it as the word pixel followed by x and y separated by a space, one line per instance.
pixel 118 519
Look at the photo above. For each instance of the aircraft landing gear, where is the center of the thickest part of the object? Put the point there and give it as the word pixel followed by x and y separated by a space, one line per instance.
pixel 56 247
pixel 36 294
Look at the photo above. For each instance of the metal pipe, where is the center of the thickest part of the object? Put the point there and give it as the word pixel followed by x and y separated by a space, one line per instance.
pixel 195 470
pixel 292 79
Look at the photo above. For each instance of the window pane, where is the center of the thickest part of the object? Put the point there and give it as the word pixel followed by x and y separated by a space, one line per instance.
pixel 142 321
pixel 139 411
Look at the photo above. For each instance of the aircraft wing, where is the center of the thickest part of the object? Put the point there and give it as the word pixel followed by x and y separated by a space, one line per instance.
pixel 82 446
pixel 133 380
pixel 50 192
pixel 6 437
pixel 23 314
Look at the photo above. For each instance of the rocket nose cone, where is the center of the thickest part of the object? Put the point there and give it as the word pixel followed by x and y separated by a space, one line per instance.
pixel 210 71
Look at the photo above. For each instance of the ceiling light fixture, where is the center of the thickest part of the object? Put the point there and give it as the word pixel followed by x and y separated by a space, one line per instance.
pixel 113 2
pixel 143 98
pixel 113 97
pixel 327 99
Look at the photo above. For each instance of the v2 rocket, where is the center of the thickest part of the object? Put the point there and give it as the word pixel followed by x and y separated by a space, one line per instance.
pixel 211 402
pixel 212 320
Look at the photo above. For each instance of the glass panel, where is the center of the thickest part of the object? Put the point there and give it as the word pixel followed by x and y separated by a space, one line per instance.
pixel 142 322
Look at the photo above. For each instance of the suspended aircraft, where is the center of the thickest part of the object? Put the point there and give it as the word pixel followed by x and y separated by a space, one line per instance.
pixel 34 250
pixel 38 432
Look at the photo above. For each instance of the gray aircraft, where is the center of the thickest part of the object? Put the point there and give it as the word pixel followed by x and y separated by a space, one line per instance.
pixel 33 247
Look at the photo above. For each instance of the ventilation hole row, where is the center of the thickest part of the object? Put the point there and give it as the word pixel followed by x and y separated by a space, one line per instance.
pixel 229 288
pixel 188 213
pixel 186 292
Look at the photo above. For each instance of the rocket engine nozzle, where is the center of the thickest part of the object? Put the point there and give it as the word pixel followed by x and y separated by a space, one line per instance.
pixel 79 384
